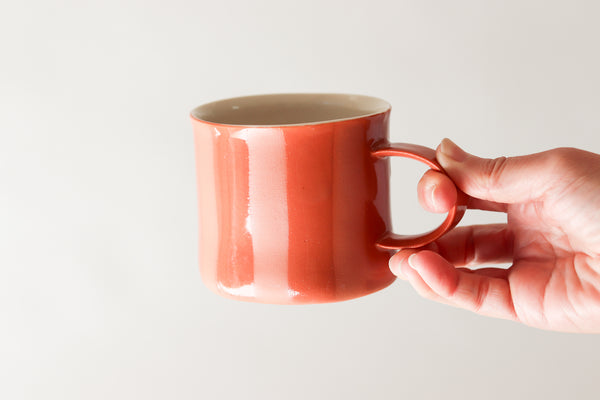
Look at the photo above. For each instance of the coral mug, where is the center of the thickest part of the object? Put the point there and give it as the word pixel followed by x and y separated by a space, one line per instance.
pixel 294 197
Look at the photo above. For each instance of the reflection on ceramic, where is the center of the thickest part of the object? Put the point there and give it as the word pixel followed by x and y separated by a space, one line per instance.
pixel 294 197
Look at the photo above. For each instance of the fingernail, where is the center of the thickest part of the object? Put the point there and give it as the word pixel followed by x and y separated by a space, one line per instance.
pixel 412 263
pixel 394 265
pixel 432 199
pixel 450 150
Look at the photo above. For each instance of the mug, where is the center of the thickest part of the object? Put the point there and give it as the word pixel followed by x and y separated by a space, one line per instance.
pixel 294 202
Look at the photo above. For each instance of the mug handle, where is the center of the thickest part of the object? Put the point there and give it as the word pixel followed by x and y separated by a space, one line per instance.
pixel 393 241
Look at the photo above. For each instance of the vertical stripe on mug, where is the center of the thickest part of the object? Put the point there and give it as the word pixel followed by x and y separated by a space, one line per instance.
pixel 235 274
pixel 310 174
pixel 207 199
pixel 268 212
pixel 351 198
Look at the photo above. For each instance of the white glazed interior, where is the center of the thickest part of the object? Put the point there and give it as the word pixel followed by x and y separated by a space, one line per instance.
pixel 289 109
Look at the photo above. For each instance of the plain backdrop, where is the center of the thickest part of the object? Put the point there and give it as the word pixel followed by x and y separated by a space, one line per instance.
pixel 100 294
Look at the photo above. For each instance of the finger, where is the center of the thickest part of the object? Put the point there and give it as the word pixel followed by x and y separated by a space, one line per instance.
pixel 489 272
pixel 501 180
pixel 399 267
pixel 475 245
pixel 437 193
pixel 475 292
pixel 486 205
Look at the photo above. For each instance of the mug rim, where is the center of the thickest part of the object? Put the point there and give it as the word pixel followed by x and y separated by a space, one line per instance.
pixel 371 106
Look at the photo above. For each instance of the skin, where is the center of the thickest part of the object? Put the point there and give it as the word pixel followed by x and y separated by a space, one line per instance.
pixel 552 239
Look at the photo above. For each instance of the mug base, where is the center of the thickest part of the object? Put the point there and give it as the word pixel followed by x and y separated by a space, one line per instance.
pixel 248 293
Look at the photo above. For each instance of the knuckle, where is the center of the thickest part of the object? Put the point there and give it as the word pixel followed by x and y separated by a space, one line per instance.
pixel 563 158
pixel 566 165
pixel 494 169
pixel 472 297
pixel 480 296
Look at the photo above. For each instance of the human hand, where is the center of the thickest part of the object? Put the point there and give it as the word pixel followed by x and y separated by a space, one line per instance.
pixel 552 238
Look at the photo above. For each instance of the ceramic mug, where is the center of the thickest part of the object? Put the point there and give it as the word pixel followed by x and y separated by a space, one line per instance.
pixel 294 197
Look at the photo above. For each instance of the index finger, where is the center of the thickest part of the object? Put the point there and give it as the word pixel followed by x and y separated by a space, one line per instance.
pixel 437 193
pixel 475 292
pixel 475 245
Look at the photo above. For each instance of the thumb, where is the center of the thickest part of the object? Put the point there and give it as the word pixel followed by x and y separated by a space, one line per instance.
pixel 502 180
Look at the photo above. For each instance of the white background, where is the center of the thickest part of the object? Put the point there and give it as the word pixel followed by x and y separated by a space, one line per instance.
pixel 100 295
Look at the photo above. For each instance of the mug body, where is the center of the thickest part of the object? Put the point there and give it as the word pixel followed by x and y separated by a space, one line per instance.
pixel 291 199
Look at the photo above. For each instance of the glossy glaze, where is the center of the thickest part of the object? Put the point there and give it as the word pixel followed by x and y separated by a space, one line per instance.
pixel 292 214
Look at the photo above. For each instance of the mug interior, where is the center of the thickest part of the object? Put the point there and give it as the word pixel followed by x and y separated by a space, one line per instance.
pixel 289 109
